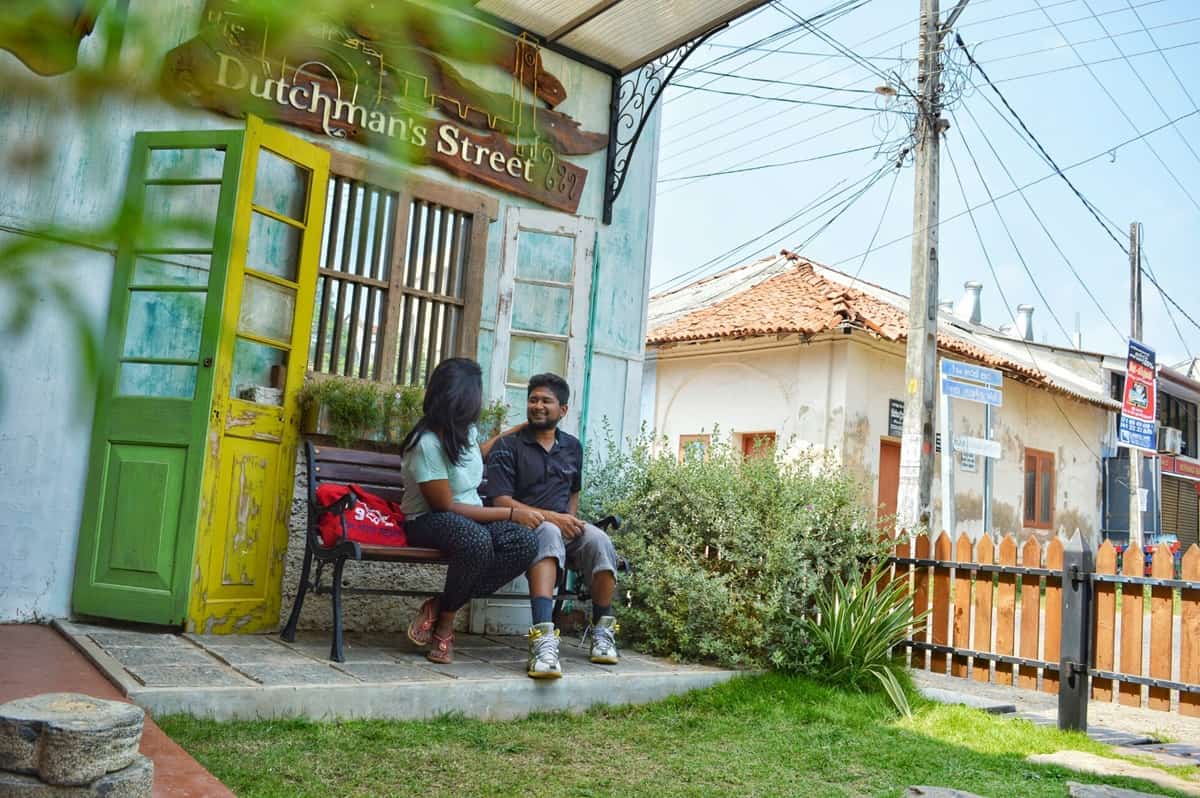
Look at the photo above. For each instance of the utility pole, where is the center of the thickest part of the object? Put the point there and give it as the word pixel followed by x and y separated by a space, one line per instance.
pixel 1135 332
pixel 920 373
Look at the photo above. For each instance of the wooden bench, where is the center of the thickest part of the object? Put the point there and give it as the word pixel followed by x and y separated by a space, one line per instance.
pixel 378 472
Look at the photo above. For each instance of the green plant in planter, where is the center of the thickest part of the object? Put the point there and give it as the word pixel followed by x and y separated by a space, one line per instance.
pixel 491 420
pixel 352 408
pixel 402 409
pixel 859 626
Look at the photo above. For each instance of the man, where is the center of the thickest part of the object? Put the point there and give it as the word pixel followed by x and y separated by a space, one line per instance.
pixel 539 468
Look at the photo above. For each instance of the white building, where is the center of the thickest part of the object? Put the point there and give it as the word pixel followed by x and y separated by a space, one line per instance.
pixel 787 349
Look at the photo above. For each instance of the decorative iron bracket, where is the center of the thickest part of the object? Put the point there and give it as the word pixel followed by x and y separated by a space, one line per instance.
pixel 634 97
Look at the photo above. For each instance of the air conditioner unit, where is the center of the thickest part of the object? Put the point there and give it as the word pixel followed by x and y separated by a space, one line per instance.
pixel 1170 440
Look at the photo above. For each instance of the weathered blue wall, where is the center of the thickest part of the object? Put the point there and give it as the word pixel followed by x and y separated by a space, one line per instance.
pixel 76 180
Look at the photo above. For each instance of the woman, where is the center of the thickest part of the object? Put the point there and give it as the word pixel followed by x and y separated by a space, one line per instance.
pixel 443 466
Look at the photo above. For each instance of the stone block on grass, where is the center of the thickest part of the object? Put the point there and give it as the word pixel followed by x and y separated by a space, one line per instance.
pixel 135 780
pixel 68 738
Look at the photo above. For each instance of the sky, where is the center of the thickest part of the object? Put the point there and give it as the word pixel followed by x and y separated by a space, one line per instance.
pixel 1052 245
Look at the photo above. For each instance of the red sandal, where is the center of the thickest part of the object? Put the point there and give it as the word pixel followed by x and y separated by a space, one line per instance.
pixel 442 652
pixel 420 631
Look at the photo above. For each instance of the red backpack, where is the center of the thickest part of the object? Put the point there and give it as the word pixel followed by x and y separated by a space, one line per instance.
pixel 369 520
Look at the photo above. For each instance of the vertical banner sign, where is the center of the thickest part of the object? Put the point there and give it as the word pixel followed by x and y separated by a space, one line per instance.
pixel 1139 407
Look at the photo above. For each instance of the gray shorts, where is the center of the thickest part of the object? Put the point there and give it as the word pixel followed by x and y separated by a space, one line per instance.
pixel 589 553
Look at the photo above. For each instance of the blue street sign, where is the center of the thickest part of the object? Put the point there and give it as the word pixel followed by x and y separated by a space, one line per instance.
pixel 972 393
pixel 969 371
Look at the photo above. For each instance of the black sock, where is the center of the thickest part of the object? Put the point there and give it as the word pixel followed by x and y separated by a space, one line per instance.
pixel 543 609
pixel 599 611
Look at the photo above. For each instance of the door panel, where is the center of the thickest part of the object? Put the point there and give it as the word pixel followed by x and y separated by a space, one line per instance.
pixel 889 479
pixel 144 488
pixel 542 318
pixel 260 367
pixel 138 526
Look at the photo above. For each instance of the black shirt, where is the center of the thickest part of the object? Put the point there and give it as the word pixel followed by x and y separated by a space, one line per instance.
pixel 519 467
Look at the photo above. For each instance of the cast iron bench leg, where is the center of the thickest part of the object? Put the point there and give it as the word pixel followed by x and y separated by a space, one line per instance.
pixel 335 652
pixel 289 631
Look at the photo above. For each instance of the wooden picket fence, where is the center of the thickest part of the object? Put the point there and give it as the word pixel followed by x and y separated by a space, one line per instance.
pixel 995 615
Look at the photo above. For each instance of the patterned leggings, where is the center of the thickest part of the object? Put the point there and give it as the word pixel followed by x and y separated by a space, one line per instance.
pixel 483 557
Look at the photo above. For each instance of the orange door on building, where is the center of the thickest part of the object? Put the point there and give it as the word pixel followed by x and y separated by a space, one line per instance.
pixel 889 478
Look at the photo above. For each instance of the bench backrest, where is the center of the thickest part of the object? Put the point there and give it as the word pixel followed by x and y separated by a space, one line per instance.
pixel 378 472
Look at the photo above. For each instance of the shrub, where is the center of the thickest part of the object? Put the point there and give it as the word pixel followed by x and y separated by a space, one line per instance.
pixel 859 624
pixel 729 555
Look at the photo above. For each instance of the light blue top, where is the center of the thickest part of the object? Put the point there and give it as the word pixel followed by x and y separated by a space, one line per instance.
pixel 427 462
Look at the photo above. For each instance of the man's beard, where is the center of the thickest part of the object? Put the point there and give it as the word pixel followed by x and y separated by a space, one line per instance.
pixel 548 423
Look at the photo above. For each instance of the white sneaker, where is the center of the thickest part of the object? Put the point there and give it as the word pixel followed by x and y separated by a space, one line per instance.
pixel 543 652
pixel 604 642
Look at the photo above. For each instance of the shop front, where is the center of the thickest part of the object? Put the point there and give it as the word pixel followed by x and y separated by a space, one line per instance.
pixel 325 202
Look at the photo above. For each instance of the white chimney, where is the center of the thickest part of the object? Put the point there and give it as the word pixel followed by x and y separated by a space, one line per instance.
pixel 1025 322
pixel 1007 329
pixel 968 308
pixel 946 306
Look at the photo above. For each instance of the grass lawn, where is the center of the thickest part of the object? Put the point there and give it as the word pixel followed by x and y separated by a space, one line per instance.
pixel 762 736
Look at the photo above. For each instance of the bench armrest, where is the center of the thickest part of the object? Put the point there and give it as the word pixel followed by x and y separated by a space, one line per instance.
pixel 609 522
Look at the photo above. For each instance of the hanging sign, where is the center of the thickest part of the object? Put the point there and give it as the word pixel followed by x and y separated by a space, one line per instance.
pixel 978 446
pixel 896 417
pixel 1179 467
pixel 956 369
pixel 1139 405
pixel 343 80
pixel 972 393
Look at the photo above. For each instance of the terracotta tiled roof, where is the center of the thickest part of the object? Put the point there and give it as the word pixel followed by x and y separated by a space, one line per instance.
pixel 805 301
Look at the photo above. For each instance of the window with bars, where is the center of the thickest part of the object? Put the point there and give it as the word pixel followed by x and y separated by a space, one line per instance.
pixel 399 284
pixel 1039 489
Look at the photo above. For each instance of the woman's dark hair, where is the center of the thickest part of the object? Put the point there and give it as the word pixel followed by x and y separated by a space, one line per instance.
pixel 453 401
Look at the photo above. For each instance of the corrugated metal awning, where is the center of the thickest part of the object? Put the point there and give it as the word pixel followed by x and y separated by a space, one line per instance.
pixel 624 34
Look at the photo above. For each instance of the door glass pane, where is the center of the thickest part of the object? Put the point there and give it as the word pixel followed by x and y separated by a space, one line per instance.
pixel 164 324
pixel 274 247
pixel 196 163
pixel 280 185
pixel 1030 491
pixel 544 256
pixel 529 356
pixel 267 309
pixel 259 373
pixel 541 308
pixel 1046 495
pixel 179 217
pixel 171 270
pixel 157 380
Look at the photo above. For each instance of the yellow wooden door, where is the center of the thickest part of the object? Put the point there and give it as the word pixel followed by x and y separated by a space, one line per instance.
pixel 260 363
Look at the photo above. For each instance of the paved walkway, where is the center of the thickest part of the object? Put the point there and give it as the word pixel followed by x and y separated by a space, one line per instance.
pixel 226 677
pixel 36 659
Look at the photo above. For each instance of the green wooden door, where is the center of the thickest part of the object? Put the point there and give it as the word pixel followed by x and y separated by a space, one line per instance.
pixel 137 533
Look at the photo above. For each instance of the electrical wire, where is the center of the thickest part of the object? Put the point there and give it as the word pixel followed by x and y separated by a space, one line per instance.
pixel 1034 139
pixel 793 101
pixel 1013 242
pixel 1098 62
pixel 1161 54
pixel 826 156
pixel 1149 91
pixel 1003 298
pixel 1162 295
pixel 855 190
pixel 760 156
pixel 887 203
pixel 1039 51
pixel 1082 162
pixel 779 82
pixel 1037 217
